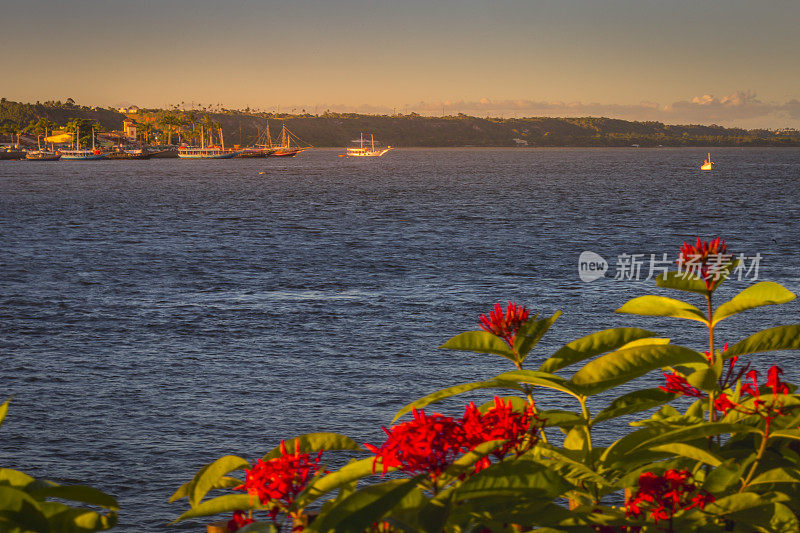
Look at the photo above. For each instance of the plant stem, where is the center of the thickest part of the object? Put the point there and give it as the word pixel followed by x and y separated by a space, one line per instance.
pixel 712 414
pixel 760 454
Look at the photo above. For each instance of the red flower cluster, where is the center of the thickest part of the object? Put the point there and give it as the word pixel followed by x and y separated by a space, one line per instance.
pixel 239 520
pixel 505 325
pixel 665 495
pixel 277 482
pixel 432 443
pixel 677 384
pixel 500 422
pixel 707 260
pixel 767 410
pixel 424 444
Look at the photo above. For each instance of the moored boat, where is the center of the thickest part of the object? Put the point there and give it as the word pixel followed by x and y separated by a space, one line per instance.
pixel 207 152
pixel 369 151
pixel 79 154
pixel 43 155
pixel 214 152
pixel 285 148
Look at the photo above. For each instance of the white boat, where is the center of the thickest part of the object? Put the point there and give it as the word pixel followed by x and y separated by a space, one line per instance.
pixel 79 154
pixel 210 152
pixel 214 152
pixel 369 150
pixel 708 164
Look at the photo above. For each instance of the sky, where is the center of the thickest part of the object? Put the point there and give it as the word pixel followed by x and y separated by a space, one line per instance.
pixel 732 62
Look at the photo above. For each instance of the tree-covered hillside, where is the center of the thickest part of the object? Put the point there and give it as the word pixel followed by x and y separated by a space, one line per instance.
pixel 243 127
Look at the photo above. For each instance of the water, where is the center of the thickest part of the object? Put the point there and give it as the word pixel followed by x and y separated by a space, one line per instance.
pixel 155 315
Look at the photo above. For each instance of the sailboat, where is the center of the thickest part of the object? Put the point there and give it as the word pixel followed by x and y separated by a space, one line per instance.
pixel 79 154
pixel 708 164
pixel 285 148
pixel 42 155
pixel 369 151
pixel 210 152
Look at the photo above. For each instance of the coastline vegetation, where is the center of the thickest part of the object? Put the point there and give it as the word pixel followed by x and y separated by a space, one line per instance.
pixel 714 448
pixel 328 129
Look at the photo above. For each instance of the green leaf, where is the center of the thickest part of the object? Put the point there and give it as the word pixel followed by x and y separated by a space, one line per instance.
pixel 618 367
pixel 741 501
pixel 21 510
pixel 221 504
pixel 559 418
pixel 538 379
pixel 683 281
pixel 312 442
pixel 350 472
pixel 531 333
pixel 762 293
pixel 360 510
pixel 778 475
pixel 793 434
pixel 686 450
pixel 705 377
pixel 723 478
pixel 66 519
pixel 78 493
pixel 15 478
pixel 634 402
pixel 772 518
pixel 591 345
pixel 512 478
pixel 697 431
pixel 453 391
pixel 480 342
pixel 209 475
pixel 4 410
pixel 662 306
pixel 258 527
pixel 778 338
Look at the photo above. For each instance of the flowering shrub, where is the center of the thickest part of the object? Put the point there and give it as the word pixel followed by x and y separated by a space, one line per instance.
pixel 666 494
pixel 728 462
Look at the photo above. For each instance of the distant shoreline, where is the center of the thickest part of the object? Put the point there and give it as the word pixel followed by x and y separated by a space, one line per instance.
pixel 245 127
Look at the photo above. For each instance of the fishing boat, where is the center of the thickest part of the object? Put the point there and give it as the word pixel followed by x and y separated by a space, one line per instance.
pixel 369 151
pixel 285 148
pixel 42 155
pixel 708 164
pixel 212 152
pixel 207 152
pixel 79 154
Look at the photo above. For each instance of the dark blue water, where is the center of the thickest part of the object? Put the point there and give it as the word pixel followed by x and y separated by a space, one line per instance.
pixel 155 315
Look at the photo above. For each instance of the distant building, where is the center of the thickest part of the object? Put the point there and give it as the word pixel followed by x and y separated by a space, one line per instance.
pixel 132 109
pixel 129 128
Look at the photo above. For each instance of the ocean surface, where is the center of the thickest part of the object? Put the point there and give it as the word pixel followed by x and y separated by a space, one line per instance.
pixel 156 315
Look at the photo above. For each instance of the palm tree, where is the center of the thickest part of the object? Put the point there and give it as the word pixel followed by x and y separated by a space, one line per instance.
pixel 170 122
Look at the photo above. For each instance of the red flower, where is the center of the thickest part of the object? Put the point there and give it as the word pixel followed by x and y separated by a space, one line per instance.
pixel 425 444
pixel 239 520
pixel 677 384
pixel 277 482
pixel 665 495
pixel 505 326
pixel 706 260
pixel 500 422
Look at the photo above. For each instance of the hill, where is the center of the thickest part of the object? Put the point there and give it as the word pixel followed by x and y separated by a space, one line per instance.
pixel 339 129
